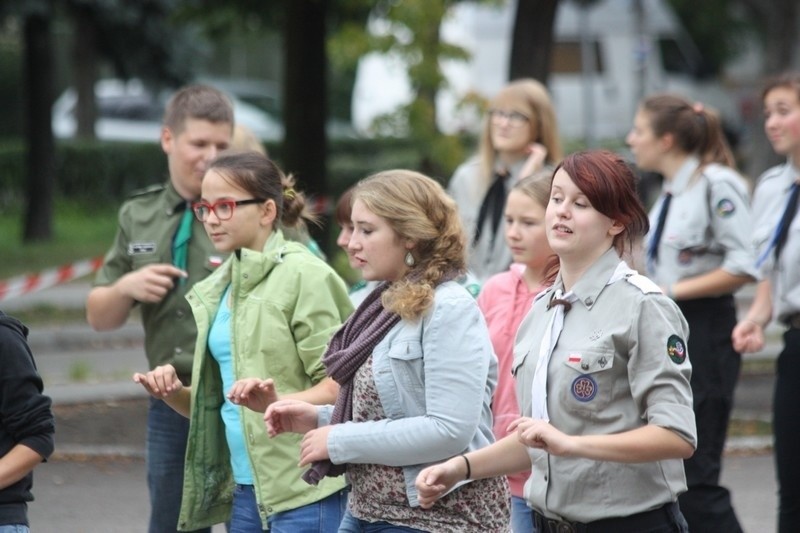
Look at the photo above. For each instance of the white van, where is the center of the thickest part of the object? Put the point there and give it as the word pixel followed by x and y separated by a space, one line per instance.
pixel 635 52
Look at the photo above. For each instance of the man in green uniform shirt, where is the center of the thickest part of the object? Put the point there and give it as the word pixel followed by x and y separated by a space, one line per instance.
pixel 151 264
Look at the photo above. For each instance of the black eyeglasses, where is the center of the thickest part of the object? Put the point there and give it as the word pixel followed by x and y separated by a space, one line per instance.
pixel 223 209
pixel 515 118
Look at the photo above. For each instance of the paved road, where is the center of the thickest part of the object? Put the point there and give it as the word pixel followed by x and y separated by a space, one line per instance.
pixel 109 495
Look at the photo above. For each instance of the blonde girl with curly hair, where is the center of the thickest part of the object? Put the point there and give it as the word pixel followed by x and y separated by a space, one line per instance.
pixel 415 365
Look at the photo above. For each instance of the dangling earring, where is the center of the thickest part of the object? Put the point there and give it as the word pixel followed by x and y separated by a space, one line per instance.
pixel 409 260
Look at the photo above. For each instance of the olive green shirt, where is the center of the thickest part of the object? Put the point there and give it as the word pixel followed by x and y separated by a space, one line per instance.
pixel 147 223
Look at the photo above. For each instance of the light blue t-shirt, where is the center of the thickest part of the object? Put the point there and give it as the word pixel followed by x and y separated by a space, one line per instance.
pixel 219 344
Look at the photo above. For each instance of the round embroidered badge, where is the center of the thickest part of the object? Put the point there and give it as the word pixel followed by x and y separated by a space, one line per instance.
pixel 676 349
pixel 584 388
pixel 725 208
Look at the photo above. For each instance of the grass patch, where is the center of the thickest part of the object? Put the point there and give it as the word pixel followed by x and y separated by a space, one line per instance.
pixel 749 428
pixel 758 366
pixel 45 315
pixel 79 371
pixel 79 233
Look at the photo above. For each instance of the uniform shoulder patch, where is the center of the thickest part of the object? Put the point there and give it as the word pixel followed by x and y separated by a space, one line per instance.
pixel 158 187
pixel 676 349
pixel 725 208
pixel 644 284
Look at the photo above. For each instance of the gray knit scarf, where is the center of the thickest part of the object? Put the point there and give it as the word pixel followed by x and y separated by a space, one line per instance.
pixel 349 348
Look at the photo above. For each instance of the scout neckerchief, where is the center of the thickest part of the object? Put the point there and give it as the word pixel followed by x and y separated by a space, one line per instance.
pixel 180 242
pixel 782 229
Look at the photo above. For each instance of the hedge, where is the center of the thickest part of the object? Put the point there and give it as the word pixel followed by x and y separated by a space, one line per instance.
pixel 93 171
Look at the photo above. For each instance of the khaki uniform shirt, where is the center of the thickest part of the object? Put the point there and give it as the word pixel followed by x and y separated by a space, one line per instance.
pixel 147 223
pixel 769 202
pixel 707 227
pixel 620 363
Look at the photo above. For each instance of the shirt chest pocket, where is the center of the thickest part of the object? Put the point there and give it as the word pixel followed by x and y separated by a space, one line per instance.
pixel 407 366
pixel 692 240
pixel 588 380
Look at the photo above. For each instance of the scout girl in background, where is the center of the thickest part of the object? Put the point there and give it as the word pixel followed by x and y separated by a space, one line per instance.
pixel 416 368
pixel 699 251
pixel 777 237
pixel 267 312
pixel 505 300
pixel 361 288
pixel 520 137
pixel 602 374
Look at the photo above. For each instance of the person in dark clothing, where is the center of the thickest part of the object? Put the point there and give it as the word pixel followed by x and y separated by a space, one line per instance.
pixel 26 424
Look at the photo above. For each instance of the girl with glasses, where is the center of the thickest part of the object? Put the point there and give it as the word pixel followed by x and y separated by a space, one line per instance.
pixel 520 137
pixel 263 319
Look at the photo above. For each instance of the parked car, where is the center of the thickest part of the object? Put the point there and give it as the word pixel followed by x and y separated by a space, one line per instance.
pixel 130 111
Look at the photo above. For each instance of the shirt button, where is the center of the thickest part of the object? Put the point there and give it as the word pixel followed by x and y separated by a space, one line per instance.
pixel 178 349
pixel 584 366
pixel 589 301
pixel 245 276
pixel 179 313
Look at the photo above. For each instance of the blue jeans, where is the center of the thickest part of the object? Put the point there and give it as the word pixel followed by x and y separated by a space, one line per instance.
pixel 521 516
pixel 15 528
pixel 323 516
pixel 351 524
pixel 165 449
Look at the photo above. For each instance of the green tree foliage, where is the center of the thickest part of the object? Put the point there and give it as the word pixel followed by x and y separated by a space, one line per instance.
pixel 718 28
pixel 412 33
pixel 142 39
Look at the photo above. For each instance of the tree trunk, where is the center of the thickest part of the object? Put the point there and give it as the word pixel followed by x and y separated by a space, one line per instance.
pixel 84 64
pixel 38 76
pixel 305 94
pixel 532 40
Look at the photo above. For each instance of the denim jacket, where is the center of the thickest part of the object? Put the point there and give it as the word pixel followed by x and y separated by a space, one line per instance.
pixel 435 378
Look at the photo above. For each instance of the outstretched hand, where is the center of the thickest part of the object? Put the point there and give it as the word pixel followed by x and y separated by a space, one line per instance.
pixel 254 393
pixel 540 434
pixel 161 382
pixel 314 446
pixel 435 481
pixel 290 416
pixel 747 337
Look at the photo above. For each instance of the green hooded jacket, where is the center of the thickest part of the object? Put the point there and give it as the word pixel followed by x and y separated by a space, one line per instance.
pixel 286 305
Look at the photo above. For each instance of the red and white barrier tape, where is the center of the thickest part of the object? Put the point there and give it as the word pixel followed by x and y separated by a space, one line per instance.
pixel 15 287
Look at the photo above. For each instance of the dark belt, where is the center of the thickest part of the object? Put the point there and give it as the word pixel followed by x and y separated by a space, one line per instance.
pixel 624 524
pixel 793 321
